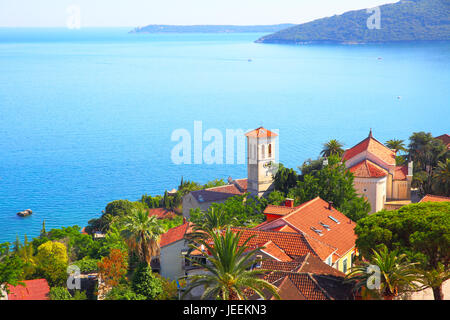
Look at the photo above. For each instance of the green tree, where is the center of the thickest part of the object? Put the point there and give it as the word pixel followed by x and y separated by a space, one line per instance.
pixel 397 274
pixel 11 267
pixel 332 147
pixel 396 144
pixel 285 179
pixel 146 283
pixel 441 178
pixel 123 292
pixel 52 262
pixel 421 231
pixel 142 234
pixel 434 279
pixel 228 269
pixel 61 293
pixel 276 198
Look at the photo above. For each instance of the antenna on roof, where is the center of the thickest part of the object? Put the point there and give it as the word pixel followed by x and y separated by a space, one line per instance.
pixel 370 133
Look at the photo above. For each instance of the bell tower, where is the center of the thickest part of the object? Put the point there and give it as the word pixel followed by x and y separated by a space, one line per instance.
pixel 261 158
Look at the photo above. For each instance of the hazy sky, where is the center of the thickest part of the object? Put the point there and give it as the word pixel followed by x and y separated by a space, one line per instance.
pixel 131 13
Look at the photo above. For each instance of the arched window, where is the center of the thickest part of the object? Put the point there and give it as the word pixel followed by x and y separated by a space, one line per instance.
pixel 270 151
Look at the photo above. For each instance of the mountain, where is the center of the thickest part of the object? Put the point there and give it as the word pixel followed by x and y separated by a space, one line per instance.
pixel 413 20
pixel 157 28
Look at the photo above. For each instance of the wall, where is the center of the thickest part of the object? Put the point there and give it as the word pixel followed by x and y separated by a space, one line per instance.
pixel 171 260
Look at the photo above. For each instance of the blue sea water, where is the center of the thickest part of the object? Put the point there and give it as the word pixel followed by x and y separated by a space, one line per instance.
pixel 86 116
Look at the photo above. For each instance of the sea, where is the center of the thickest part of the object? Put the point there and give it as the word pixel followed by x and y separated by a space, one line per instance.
pixel 89 116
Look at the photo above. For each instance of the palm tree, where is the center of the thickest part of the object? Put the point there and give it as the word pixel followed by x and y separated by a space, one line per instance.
pixel 441 178
pixel 434 279
pixel 229 269
pixel 396 273
pixel 142 234
pixel 332 147
pixel 396 144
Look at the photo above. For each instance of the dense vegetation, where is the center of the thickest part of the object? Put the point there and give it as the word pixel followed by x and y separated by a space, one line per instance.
pixel 413 20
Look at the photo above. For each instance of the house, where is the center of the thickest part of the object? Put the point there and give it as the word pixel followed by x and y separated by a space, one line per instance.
pixel 203 199
pixel 261 159
pixel 377 177
pixel 174 247
pixel 445 138
pixel 318 220
pixel 432 198
pixel 37 289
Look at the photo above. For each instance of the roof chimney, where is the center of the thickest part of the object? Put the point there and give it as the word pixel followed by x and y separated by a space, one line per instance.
pixel 330 205
pixel 289 203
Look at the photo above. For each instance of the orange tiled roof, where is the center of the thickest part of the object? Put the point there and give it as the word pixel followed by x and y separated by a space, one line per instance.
pixel 293 244
pixel 368 169
pixel 220 193
pixel 287 228
pixel 242 184
pixel 278 210
pixel 373 146
pixel 37 289
pixel 162 213
pixel 261 133
pixel 276 252
pixel 432 198
pixel 310 215
pixel 175 234
pixel 400 173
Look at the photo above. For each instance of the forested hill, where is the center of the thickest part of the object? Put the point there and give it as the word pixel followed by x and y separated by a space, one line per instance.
pixel 413 20
pixel 156 28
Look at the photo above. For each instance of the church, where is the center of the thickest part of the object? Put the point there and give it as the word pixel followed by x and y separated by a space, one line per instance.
pixel 261 161
pixel 377 177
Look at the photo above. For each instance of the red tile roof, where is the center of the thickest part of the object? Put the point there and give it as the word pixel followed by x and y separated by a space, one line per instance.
pixel 162 213
pixel 445 138
pixel 261 133
pixel 368 169
pixel 293 244
pixel 372 146
pixel 400 173
pixel 276 252
pixel 432 198
pixel 37 289
pixel 278 210
pixel 175 234
pixel 312 214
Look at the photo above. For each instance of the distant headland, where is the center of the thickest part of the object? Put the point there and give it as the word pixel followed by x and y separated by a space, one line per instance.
pixel 412 20
pixel 158 28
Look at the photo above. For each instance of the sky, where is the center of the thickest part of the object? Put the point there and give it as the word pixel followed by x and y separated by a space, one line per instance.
pixel 133 13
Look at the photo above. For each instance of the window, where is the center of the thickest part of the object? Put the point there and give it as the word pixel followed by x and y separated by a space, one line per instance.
pixel 262 151
pixel 329 262
pixel 337 264
pixel 344 265
pixel 270 150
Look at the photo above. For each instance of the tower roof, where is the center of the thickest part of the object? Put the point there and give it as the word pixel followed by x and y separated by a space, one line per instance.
pixel 261 133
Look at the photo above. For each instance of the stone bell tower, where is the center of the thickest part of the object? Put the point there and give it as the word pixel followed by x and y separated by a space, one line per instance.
pixel 261 161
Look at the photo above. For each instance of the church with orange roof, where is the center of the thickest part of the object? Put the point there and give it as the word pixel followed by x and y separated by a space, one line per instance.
pixel 377 177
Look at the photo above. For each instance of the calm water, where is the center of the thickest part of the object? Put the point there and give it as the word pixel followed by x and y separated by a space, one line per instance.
pixel 86 116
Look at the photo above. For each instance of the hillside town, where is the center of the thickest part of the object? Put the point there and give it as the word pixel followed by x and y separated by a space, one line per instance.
pixel 373 210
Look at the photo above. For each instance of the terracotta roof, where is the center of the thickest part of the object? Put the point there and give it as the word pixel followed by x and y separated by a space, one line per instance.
pixel 278 210
pixel 261 133
pixel 175 234
pixel 37 289
pixel 432 198
pixel 293 244
pixel 218 193
pixel 400 173
pixel 242 184
pixel 162 213
pixel 374 147
pixel 311 286
pixel 445 138
pixel 312 214
pixel 287 228
pixel 275 251
pixel 368 169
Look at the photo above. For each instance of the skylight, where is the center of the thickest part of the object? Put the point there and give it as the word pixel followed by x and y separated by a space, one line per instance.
pixel 325 226
pixel 319 232
pixel 334 219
